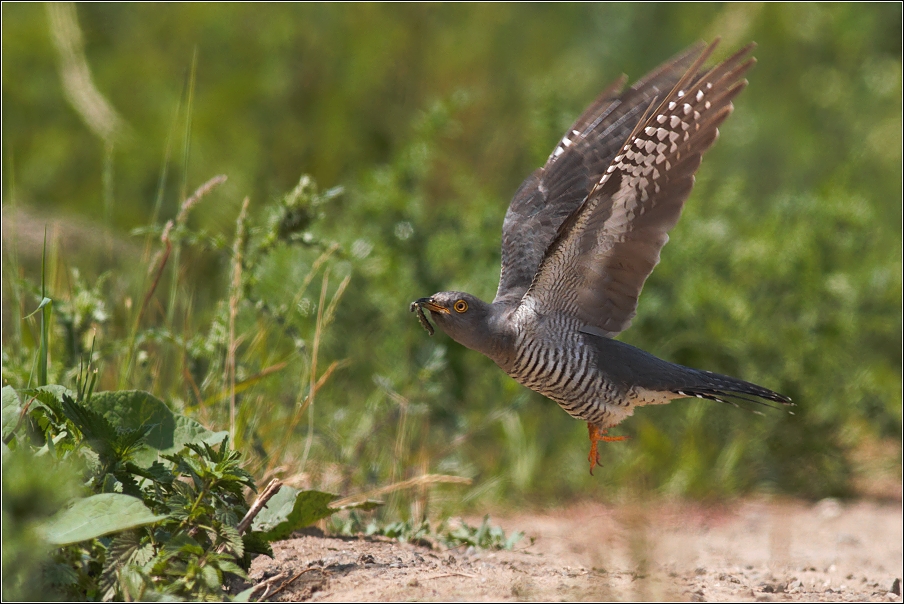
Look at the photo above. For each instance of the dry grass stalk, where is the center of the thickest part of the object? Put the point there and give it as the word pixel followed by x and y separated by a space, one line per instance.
pixel 259 503
pixel 78 84
pixel 199 193
pixel 325 315
pixel 312 391
pixel 234 295
pixel 163 257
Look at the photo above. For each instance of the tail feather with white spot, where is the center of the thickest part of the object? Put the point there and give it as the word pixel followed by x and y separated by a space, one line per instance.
pixel 728 390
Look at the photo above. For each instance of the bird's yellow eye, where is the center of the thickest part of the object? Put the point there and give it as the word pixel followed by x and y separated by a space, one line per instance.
pixel 460 306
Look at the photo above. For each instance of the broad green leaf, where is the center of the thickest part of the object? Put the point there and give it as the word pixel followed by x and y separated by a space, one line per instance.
pixel 131 409
pixel 12 409
pixel 188 430
pixel 97 516
pixel 290 510
pixel 98 431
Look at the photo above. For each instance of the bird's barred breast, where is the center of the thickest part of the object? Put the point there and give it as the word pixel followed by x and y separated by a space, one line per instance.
pixel 566 370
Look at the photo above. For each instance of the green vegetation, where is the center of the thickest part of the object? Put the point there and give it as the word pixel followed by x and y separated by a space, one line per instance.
pixel 162 512
pixel 446 533
pixel 284 320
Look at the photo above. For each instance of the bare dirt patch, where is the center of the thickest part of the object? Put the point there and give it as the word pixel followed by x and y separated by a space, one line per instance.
pixel 753 551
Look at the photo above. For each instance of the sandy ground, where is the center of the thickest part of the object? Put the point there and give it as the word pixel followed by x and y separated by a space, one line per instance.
pixel 753 551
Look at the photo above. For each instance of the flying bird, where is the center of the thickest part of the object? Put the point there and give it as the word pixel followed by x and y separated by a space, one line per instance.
pixel 582 235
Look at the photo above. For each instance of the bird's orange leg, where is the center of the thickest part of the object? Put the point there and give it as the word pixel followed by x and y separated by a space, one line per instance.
pixel 597 435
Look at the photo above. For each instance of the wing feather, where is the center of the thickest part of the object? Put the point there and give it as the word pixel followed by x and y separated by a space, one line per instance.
pixel 603 253
pixel 552 193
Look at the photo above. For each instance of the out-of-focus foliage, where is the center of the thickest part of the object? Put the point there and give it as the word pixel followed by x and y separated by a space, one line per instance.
pixel 162 511
pixel 34 488
pixel 785 269
pixel 451 535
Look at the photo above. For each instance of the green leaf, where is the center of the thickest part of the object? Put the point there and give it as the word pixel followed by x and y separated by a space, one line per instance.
pixel 179 543
pixel 188 430
pixel 156 472
pixel 366 505
pixel 50 396
pixel 60 575
pixel 132 409
pixel 256 543
pixel 133 584
pixel 228 566
pixel 97 516
pixel 130 547
pixel 233 540
pixel 12 409
pixel 244 596
pixel 211 576
pixel 512 540
pixel 97 430
pixel 290 510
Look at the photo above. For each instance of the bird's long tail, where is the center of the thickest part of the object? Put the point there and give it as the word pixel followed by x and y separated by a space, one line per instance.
pixel 728 390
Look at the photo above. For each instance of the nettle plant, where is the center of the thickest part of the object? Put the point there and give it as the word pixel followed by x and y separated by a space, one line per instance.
pixel 162 510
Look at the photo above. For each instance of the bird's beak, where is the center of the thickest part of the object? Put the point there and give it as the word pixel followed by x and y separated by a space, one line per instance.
pixel 430 305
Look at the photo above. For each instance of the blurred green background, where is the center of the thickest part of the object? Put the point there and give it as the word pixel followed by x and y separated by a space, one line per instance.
pixel 785 268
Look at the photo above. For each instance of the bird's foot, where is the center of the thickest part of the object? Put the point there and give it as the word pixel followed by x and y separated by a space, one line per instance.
pixel 596 435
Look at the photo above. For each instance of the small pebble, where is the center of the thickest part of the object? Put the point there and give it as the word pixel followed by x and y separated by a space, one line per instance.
pixel 366 559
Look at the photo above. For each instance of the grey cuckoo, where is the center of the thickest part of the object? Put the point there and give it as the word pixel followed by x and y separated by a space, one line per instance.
pixel 581 236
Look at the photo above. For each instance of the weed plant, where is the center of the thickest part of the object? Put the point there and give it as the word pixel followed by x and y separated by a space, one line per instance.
pixel 448 533
pixel 158 504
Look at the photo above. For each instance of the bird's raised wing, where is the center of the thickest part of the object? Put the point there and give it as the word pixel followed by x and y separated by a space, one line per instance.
pixel 552 193
pixel 604 252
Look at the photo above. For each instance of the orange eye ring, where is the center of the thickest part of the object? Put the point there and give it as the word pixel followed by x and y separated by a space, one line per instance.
pixel 460 306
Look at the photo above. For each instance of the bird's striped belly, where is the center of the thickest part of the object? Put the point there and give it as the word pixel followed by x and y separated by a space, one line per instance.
pixel 572 378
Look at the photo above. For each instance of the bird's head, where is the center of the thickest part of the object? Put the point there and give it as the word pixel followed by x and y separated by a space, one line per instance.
pixel 465 318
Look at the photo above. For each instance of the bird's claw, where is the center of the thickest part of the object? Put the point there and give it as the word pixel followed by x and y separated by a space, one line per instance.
pixel 597 435
pixel 594 457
